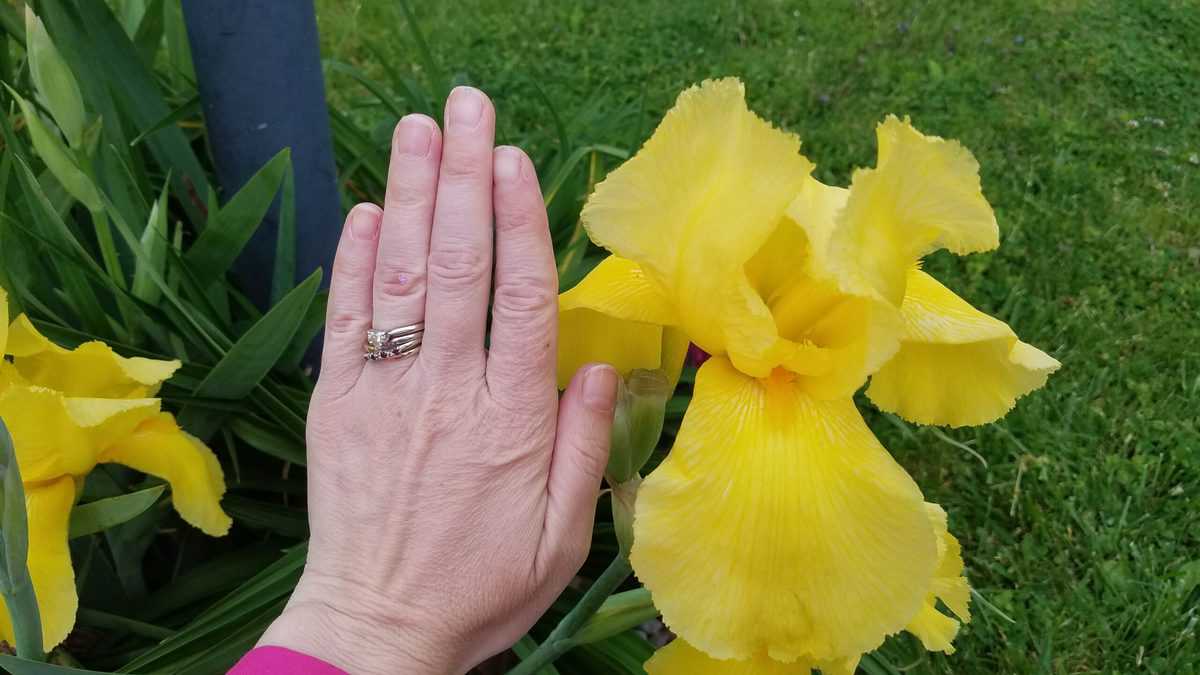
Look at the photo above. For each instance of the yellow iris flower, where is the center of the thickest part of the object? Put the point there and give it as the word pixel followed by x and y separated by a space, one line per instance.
pixel 779 535
pixel 67 411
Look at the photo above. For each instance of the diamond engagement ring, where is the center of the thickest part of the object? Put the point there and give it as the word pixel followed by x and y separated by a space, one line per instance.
pixel 394 343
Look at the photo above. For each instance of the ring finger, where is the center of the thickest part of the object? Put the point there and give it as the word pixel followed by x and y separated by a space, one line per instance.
pixel 399 288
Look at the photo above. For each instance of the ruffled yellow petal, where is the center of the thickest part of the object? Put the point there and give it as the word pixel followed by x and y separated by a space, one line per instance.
pixel 92 369
pixel 48 440
pixel 923 194
pixel 620 289
pixel 680 658
pixel 936 630
pixel 698 200
pixel 956 365
pixel 48 507
pixel 779 526
pixel 108 420
pixel 815 210
pixel 614 315
pixel 160 448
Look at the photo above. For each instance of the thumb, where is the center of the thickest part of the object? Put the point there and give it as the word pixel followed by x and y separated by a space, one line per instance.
pixel 585 416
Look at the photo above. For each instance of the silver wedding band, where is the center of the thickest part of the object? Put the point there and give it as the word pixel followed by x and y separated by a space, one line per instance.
pixel 393 343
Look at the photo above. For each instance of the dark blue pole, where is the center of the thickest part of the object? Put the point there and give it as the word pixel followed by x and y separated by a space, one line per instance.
pixel 258 66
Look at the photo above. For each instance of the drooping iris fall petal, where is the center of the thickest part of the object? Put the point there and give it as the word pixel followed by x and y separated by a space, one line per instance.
pixel 92 369
pixel 48 509
pixel 680 658
pixel 615 315
pixel 779 526
pixel 956 366
pixel 936 630
pixel 693 205
pixel 160 448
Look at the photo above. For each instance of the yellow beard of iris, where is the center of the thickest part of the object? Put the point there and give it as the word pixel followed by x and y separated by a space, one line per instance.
pixel 779 535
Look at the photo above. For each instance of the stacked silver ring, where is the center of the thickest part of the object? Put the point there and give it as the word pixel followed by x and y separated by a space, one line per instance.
pixel 394 343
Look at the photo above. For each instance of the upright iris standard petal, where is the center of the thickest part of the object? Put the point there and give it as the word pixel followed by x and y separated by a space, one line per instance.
pixel 956 365
pixel 779 526
pixel 698 200
pixel 160 448
pixel 92 369
pixel 48 508
pixel 923 194
pixel 615 315
pixel 833 338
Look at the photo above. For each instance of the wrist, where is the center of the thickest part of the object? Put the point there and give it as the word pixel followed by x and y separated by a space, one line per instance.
pixel 325 621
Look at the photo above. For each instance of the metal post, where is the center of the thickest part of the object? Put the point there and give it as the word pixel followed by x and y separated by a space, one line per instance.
pixel 258 67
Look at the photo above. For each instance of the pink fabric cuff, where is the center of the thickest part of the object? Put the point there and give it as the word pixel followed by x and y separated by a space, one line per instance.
pixel 282 661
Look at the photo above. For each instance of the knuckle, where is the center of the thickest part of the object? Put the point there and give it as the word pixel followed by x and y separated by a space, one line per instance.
pixel 396 282
pixel 464 165
pixel 458 266
pixel 343 323
pixel 517 218
pixel 407 195
pixel 526 299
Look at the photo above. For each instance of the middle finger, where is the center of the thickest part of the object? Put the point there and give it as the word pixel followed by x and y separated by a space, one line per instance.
pixel 460 247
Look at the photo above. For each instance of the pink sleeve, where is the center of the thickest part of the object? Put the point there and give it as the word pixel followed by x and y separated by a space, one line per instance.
pixel 282 661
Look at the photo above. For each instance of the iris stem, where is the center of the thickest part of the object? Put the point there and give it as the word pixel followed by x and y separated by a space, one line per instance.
pixel 562 638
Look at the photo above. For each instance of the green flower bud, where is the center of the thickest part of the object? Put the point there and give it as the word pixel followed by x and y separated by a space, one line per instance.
pixel 624 499
pixel 637 423
pixel 53 80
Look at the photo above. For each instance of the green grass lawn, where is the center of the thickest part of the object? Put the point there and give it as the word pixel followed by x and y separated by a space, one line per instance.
pixel 1078 512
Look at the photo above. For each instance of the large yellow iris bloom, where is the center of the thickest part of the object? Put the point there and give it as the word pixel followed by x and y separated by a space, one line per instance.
pixel 779 535
pixel 67 411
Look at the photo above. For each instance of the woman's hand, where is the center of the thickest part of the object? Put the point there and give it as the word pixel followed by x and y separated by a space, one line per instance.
pixel 451 493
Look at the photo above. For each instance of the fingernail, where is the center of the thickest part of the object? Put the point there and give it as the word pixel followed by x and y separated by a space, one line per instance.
pixel 600 388
pixel 413 136
pixel 507 165
pixel 364 222
pixel 466 107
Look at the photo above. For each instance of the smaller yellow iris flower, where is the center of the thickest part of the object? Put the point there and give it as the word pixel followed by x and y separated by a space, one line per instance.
pixel 779 535
pixel 69 410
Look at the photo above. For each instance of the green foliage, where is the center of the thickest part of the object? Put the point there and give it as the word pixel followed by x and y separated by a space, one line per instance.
pixel 15 584
pixel 102 514
pixel 1081 531
pixel 1076 512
